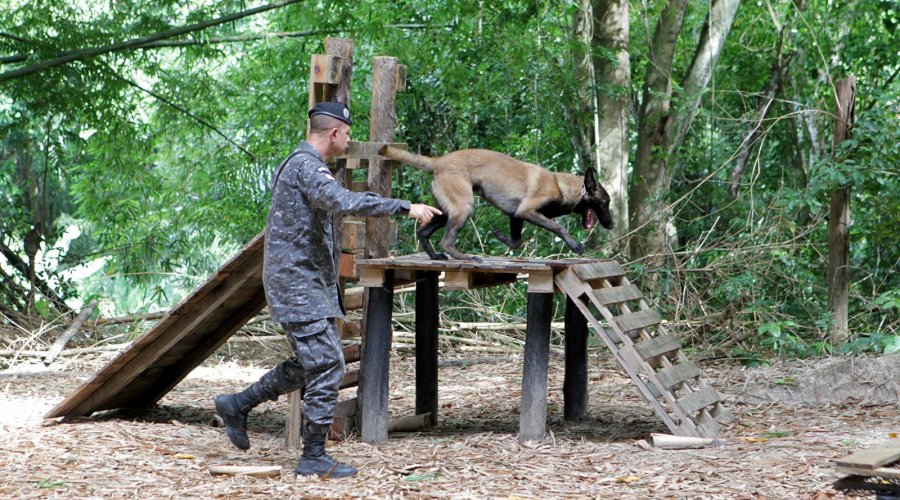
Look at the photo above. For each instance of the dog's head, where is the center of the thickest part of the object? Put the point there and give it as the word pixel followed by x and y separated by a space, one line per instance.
pixel 594 201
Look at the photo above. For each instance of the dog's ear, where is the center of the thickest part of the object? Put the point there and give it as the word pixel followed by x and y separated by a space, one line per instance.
pixel 590 180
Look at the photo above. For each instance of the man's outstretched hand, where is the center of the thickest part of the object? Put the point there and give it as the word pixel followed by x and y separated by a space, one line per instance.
pixel 423 213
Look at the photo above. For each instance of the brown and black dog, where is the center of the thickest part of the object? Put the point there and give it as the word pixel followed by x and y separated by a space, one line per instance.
pixel 524 191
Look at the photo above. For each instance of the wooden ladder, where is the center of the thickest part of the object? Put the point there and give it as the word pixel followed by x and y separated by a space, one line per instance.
pixel 652 357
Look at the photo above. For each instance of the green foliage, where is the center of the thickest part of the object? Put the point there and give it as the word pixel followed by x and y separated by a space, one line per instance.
pixel 161 157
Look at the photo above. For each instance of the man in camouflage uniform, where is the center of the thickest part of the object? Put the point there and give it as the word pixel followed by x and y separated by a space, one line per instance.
pixel 300 279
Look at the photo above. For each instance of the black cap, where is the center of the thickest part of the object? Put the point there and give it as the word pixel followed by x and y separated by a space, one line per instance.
pixel 332 109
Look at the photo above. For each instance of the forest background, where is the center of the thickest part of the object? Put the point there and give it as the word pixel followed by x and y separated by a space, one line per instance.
pixel 137 140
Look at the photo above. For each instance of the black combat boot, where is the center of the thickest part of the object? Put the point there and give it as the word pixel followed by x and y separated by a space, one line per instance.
pixel 234 408
pixel 314 459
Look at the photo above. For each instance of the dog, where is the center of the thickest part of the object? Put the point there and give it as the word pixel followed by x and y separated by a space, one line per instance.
pixel 523 191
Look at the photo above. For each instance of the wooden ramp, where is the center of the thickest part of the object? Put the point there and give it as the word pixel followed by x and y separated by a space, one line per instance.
pixel 672 384
pixel 191 331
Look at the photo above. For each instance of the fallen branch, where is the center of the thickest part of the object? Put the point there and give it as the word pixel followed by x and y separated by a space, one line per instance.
pixel 246 470
pixel 70 332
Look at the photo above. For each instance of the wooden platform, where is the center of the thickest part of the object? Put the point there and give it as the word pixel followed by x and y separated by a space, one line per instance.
pixel 191 331
pixel 874 469
pixel 597 292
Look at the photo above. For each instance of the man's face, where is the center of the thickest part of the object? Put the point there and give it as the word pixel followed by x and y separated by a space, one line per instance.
pixel 341 142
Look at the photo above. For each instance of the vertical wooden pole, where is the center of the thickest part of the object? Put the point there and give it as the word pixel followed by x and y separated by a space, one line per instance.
pixel 533 417
pixel 382 119
pixel 374 372
pixel 427 344
pixel 575 384
pixel 839 221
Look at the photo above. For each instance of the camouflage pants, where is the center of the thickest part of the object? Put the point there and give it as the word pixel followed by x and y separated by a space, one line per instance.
pixel 317 364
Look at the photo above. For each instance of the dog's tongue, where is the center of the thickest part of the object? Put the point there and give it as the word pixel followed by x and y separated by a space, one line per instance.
pixel 588 219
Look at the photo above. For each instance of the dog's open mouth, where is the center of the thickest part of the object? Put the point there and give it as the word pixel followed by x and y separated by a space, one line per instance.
pixel 588 219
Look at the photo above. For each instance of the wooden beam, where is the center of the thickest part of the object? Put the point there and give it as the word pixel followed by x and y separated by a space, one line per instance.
pixel 369 150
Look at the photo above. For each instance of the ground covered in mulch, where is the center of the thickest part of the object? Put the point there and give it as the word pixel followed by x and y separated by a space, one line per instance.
pixel 787 429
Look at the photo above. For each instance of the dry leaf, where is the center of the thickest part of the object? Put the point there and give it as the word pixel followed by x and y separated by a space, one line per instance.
pixel 893 435
pixel 184 456
pixel 754 439
pixel 628 479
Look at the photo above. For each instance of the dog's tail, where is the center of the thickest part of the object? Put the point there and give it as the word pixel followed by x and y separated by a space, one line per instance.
pixel 421 162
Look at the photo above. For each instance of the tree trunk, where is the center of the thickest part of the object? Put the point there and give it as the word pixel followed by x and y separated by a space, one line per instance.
pixel 839 221
pixel 583 123
pixel 649 168
pixel 662 131
pixel 611 32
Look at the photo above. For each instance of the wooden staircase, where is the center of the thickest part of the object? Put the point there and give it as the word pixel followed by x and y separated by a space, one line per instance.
pixel 634 334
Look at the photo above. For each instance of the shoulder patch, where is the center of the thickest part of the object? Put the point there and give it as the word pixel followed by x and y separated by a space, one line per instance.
pixel 325 171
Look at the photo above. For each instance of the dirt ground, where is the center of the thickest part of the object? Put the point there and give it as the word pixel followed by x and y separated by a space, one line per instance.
pixel 780 445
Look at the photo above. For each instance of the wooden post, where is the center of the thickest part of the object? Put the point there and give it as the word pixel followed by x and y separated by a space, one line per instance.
pixel 382 119
pixel 839 221
pixel 375 368
pixel 427 321
pixel 575 384
pixel 533 417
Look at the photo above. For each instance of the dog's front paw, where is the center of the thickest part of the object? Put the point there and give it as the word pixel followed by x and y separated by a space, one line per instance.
pixel 439 256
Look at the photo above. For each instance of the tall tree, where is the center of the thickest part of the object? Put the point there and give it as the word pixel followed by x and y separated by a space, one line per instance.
pixel 612 28
pixel 662 128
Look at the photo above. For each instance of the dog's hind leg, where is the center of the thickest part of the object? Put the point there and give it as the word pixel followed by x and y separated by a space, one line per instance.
pixel 514 240
pixel 454 194
pixel 424 233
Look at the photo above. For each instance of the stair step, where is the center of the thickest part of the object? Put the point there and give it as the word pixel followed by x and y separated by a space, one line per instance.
pixel 598 270
pixel 675 375
pixel 618 294
pixel 698 400
pixel 637 320
pixel 657 346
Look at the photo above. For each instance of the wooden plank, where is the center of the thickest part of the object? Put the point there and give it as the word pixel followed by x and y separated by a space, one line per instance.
pixel 871 458
pixel 657 346
pixel 618 294
pixel 191 318
pixel 351 353
pixel 457 280
pixel 598 270
pixel 347 267
pixel 638 319
pixel 698 400
pixel 369 277
pixel 349 329
pixel 369 150
pixel 676 374
pixel 353 238
pixel 885 472
pixel 540 282
pixel 351 379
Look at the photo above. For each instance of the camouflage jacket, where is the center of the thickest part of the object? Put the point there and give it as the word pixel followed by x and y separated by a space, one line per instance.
pixel 299 270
